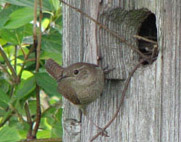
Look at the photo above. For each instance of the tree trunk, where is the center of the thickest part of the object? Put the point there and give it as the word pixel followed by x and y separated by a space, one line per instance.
pixel 150 112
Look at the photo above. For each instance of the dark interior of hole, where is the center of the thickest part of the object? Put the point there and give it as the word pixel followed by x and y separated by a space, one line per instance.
pixel 148 30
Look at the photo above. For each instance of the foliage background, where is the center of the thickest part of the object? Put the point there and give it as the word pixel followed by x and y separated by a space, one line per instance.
pixel 16 39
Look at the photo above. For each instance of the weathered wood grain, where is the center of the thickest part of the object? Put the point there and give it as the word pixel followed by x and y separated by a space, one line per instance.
pixel 151 110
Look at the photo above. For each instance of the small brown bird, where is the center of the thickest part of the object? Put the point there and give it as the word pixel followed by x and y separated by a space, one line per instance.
pixel 80 83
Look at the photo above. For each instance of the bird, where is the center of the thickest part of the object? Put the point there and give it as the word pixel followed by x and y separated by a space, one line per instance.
pixel 80 83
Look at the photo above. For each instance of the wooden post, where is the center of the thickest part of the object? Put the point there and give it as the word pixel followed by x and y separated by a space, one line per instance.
pixel 151 110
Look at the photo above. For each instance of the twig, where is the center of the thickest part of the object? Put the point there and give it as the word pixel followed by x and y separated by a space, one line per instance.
pixel 35 24
pixel 2 67
pixel 145 39
pixel 15 78
pixel 37 54
pixel 107 29
pixel 34 131
pixel 7 119
pixel 121 101
pixel 25 60
pixel 27 110
pixel 15 58
pixel 12 90
pixel 38 112
pixel 39 38
pixel 28 116
pixel 24 55
pixel 34 39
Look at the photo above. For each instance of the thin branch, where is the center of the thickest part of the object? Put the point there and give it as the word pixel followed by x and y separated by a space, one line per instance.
pixel 27 110
pixel 28 115
pixel 34 131
pixel 145 39
pixel 121 101
pixel 39 38
pixel 12 90
pixel 38 107
pixel 38 111
pixel 15 78
pixel 2 67
pixel 34 39
pixel 25 60
pixel 7 119
pixel 35 24
pixel 107 29
pixel 24 55
pixel 15 57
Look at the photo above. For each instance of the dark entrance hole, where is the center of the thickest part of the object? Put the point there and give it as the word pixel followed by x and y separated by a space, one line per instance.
pixel 148 30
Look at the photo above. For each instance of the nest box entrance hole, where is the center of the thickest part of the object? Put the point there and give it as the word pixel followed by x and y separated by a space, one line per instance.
pixel 148 30
pixel 127 24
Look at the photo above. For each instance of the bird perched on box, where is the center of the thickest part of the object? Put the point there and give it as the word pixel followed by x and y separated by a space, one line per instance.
pixel 80 83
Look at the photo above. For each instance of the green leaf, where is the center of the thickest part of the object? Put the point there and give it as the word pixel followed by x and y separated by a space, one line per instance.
pixel 8 134
pixel 3 42
pixel 4 85
pixel 28 3
pixel 9 50
pixel 15 36
pixel 9 35
pixel 25 88
pixel 32 106
pixel 6 115
pixel 28 30
pixel 59 24
pixel 19 105
pixel 4 14
pixel 19 18
pixel 48 84
pixel 4 99
pixel 43 134
pixel 2 112
pixel 57 130
pixel 26 74
pixel 49 112
pixel 53 55
pixel 52 46
pixel 45 23
pixel 52 42
pixel 19 125
pixel 55 4
pixel 20 2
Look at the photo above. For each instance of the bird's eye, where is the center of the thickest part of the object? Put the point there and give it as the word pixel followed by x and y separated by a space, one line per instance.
pixel 76 72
